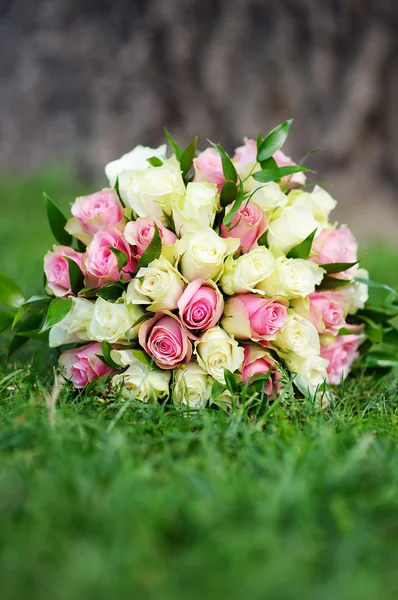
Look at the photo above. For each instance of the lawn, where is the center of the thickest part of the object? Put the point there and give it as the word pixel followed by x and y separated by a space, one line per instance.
pixel 130 501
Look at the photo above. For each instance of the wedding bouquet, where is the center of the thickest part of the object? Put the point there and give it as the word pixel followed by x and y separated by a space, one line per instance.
pixel 204 279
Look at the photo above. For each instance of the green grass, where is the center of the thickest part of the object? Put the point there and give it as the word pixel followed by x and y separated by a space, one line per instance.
pixel 123 501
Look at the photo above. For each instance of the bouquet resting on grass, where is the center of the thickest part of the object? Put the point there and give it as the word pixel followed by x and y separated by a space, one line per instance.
pixel 200 278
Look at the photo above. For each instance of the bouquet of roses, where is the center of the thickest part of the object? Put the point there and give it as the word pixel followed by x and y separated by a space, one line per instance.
pixel 201 278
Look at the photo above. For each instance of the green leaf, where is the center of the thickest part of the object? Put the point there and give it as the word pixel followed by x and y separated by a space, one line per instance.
pixel 57 222
pixel 270 163
pixel 143 357
pixel 16 343
pixel 310 153
pixel 155 161
pixel 228 219
pixel 273 141
pixel 230 381
pixel 106 355
pixel 377 285
pixel 153 251
pixel 35 303
pixel 6 319
pixel 75 275
pixel 394 322
pixel 303 249
pixel 263 239
pixel 173 144
pixel 112 291
pixel 228 167
pixel 329 283
pixel 274 174
pixel 10 293
pixel 380 359
pixel 228 193
pixel 117 190
pixel 331 268
pixel 187 156
pixel 121 257
pixel 57 311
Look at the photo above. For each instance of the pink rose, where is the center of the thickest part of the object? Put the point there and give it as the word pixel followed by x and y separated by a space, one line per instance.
pixel 336 246
pixel 81 365
pixel 165 340
pixel 327 312
pixel 341 354
pixel 139 234
pixel 208 167
pixel 97 211
pixel 248 225
pixel 101 262
pixel 56 269
pixel 257 361
pixel 285 161
pixel 200 307
pixel 246 154
pixel 248 316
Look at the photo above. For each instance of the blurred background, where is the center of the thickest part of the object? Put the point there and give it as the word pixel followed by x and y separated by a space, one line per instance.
pixel 83 81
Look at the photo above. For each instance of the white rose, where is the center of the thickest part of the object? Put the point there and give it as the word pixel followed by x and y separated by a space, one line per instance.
pixel 267 196
pixel 217 351
pixel 73 327
pixel 320 202
pixel 142 383
pixel 160 285
pixel 311 370
pixel 136 160
pixel 203 252
pixel 191 386
pixel 110 321
pixel 292 278
pixel 298 336
pixel 243 275
pixel 199 207
pixel 355 294
pixel 154 190
pixel 294 224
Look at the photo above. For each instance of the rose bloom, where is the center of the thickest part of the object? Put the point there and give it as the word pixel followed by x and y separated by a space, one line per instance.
pixel 159 285
pixel 248 225
pixel 81 365
pixel 248 271
pixel 197 208
pixel 257 361
pixel 101 262
pixel 291 227
pixel 341 354
pixel 208 167
pixel 191 386
pixel 298 336
pixel 217 351
pixel 249 316
pixel 165 340
pixel 135 160
pixel 139 234
pixel 292 278
pixel 56 269
pixel 327 310
pixel 97 211
pixel 200 307
pixel 336 246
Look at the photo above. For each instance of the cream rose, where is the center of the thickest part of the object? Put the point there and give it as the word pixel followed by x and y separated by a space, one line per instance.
pixel 154 190
pixel 319 200
pixel 199 207
pixel 191 386
pixel 142 383
pixel 111 321
pixel 203 252
pixel 160 285
pixel 311 370
pixel 292 278
pixel 356 293
pixel 267 196
pixel 136 160
pixel 245 273
pixel 298 336
pixel 73 327
pixel 291 227
pixel 217 351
